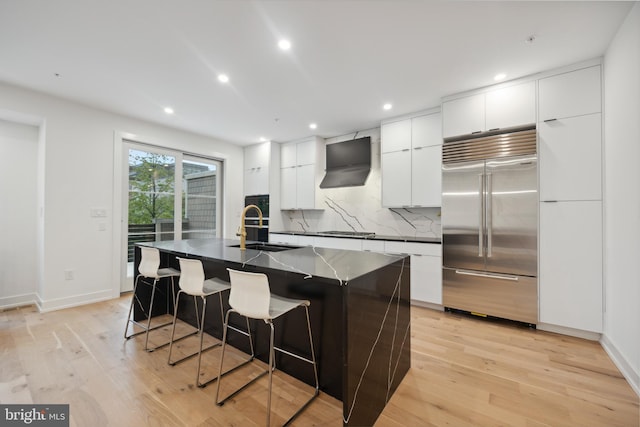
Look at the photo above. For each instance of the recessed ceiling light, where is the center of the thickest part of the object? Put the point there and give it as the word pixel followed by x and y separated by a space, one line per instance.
pixel 223 78
pixel 168 110
pixel 263 139
pixel 499 77
pixel 387 106
pixel 313 126
pixel 284 44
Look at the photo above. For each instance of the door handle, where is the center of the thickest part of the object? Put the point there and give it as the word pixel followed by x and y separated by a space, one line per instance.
pixel 481 215
pixel 488 276
pixel 489 203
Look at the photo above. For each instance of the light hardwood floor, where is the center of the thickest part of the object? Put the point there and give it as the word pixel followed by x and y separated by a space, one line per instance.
pixel 465 372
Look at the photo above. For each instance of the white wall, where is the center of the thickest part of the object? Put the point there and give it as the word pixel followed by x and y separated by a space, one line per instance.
pixel 360 208
pixel 18 215
pixel 78 161
pixel 622 198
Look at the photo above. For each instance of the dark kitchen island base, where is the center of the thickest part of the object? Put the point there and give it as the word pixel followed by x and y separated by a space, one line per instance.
pixel 360 315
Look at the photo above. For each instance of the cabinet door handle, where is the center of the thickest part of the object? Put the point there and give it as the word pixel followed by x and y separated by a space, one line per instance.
pixel 406 149
pixel 418 148
pixel 550 120
pixel 475 132
pixel 491 130
pixel 549 201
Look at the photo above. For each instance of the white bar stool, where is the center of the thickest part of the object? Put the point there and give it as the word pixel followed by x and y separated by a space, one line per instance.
pixel 149 268
pixel 251 297
pixel 192 282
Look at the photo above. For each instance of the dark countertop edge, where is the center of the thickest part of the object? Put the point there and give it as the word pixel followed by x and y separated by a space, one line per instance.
pixel 408 239
pixel 273 256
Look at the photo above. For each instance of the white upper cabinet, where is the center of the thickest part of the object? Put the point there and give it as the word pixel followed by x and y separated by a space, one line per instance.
pixel 510 106
pixel 570 94
pixel 426 131
pixel 571 158
pixel 426 176
pixel 463 116
pixel 301 170
pixel 396 179
pixel 396 136
pixel 288 154
pixel 501 108
pixel 411 162
pixel 256 169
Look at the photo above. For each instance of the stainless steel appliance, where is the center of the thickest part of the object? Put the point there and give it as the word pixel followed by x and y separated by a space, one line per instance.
pixel 490 225
pixel 254 232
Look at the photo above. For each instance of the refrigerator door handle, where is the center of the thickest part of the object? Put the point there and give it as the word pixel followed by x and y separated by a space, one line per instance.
pixel 481 215
pixel 489 214
pixel 487 275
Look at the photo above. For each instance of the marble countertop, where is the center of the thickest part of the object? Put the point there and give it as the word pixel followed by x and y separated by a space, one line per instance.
pixel 336 264
pixel 420 239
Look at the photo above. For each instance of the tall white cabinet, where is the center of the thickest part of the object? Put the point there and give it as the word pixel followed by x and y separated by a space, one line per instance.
pixel 301 170
pixel 411 161
pixel 571 233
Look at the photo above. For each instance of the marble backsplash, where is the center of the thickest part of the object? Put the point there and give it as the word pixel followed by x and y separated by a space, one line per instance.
pixel 360 208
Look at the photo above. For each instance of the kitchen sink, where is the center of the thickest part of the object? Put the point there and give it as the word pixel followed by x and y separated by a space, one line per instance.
pixel 267 247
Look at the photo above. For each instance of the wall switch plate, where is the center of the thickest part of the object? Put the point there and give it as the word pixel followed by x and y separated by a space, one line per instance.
pixel 98 213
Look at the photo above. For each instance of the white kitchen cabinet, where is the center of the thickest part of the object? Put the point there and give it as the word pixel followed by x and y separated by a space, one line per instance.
pixel 498 108
pixel 396 136
pixel 373 245
pixel 306 240
pixel 426 176
pixel 570 94
pixel 510 106
pixel 426 269
pixel 396 178
pixel 411 170
pixel 571 158
pixel 571 265
pixel 256 169
pixel 301 169
pixel 339 243
pixel 288 188
pixel 463 116
pixel 287 239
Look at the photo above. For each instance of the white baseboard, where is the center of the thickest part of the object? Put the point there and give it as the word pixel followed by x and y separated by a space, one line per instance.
pixel 632 377
pixel 17 301
pixel 578 333
pixel 73 301
pixel 425 304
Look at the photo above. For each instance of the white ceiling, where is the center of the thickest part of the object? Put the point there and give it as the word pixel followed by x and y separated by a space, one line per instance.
pixel 136 57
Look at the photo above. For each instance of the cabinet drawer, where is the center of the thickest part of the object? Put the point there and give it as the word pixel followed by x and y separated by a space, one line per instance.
pixel 413 248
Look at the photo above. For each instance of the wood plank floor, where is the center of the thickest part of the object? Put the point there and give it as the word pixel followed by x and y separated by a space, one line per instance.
pixel 465 372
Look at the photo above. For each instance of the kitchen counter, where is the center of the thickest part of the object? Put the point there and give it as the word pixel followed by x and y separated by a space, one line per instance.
pixel 338 266
pixel 421 239
pixel 360 315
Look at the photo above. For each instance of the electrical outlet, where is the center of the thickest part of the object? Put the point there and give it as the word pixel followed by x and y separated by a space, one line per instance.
pixel 68 275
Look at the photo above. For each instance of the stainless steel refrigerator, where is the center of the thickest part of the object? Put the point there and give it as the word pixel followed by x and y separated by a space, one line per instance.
pixel 490 225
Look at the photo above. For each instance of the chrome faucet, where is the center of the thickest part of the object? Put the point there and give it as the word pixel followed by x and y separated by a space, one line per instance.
pixel 242 231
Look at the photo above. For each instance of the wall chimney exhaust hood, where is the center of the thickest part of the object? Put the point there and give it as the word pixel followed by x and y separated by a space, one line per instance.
pixel 348 163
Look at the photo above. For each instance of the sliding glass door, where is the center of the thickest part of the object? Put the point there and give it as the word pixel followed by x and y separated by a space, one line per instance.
pixel 170 196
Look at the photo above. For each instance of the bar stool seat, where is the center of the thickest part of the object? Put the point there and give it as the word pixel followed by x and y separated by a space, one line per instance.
pixel 149 268
pixel 250 296
pixel 192 282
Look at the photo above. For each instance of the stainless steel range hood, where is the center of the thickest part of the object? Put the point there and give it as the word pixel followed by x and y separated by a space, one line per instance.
pixel 348 163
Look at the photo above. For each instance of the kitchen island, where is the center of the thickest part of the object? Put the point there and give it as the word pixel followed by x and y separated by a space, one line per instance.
pixel 360 315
